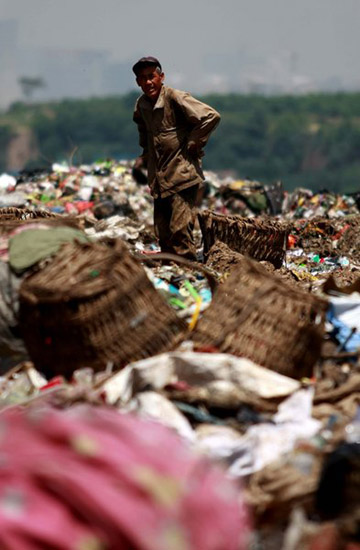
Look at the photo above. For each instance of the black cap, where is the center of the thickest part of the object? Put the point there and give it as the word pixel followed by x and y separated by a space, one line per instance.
pixel 146 62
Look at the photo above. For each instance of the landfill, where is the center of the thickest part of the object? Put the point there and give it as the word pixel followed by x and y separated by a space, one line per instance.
pixel 148 401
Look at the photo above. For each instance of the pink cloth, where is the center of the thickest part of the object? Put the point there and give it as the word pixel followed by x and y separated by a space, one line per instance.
pixel 90 478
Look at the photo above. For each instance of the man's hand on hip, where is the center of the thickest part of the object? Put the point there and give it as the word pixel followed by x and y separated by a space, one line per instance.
pixel 139 163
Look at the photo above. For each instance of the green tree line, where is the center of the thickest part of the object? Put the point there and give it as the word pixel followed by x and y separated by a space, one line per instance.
pixel 310 141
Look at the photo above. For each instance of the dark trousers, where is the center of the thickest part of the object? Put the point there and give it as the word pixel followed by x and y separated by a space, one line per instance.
pixel 174 219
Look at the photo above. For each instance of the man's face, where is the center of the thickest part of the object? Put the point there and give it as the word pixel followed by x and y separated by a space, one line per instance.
pixel 150 81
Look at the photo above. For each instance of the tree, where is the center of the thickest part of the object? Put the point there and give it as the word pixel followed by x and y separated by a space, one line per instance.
pixel 29 84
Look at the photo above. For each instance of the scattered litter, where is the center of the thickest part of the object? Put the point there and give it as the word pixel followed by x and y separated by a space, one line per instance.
pixel 250 354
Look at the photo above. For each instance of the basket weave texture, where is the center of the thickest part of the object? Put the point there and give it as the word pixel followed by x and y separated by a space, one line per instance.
pixel 259 239
pixel 255 314
pixel 13 213
pixel 93 304
pixel 9 222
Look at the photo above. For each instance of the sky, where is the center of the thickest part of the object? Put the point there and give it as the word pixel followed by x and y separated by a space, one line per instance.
pixel 204 42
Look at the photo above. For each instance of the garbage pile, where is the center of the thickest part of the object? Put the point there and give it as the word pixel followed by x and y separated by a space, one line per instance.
pixel 250 356
pixel 303 203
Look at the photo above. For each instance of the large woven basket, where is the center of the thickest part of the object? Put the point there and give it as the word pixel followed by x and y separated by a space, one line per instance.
pixel 10 224
pixel 259 239
pixel 255 314
pixel 13 213
pixel 91 305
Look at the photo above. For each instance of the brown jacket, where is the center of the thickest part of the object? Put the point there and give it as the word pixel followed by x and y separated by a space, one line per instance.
pixel 166 130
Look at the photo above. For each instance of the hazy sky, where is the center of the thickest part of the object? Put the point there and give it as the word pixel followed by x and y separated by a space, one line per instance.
pixel 323 34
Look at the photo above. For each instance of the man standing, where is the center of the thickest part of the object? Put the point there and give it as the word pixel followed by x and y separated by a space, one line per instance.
pixel 173 129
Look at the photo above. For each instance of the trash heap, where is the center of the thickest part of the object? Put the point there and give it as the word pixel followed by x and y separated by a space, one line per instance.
pixel 249 356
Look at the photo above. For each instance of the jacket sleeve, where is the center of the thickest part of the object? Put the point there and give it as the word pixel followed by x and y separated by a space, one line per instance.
pixel 202 118
pixel 143 142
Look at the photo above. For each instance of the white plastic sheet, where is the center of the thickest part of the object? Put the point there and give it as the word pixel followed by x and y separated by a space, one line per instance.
pixel 347 309
pixel 266 442
pixel 244 454
pixel 154 406
pixel 198 369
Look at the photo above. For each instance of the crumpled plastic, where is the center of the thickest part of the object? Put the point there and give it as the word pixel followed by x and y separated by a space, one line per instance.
pixel 197 369
pixel 266 442
pixel 344 317
pixel 244 454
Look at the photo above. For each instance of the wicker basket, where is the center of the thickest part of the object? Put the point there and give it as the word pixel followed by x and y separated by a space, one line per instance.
pixel 8 224
pixel 91 305
pixel 255 314
pixel 259 239
pixel 13 213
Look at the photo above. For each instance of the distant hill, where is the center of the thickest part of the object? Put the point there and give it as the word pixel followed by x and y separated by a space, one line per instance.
pixel 309 141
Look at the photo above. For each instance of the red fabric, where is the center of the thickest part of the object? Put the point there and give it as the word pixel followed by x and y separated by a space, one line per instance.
pixel 82 206
pixel 92 478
